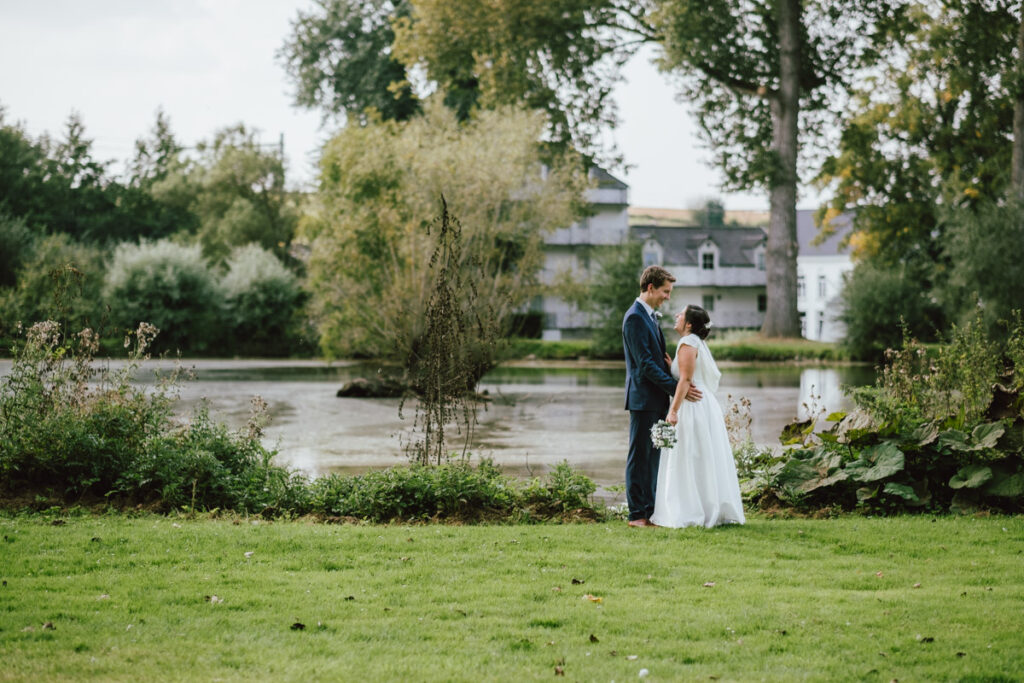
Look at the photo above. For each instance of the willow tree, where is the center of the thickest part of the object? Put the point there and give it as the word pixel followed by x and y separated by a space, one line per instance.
pixel 369 273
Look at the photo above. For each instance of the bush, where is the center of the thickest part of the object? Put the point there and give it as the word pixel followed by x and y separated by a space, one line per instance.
pixel 261 299
pixel 68 431
pixel 59 279
pixel 16 242
pixel 985 250
pixel 452 491
pixel 938 433
pixel 170 286
pixel 879 302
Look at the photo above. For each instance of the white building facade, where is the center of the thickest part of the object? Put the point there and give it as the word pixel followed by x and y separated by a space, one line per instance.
pixel 568 253
pixel 821 270
pixel 720 269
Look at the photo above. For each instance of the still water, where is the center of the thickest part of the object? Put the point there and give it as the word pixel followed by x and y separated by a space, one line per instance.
pixel 537 415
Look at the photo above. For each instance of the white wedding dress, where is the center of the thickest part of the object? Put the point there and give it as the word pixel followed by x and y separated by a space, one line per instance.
pixel 697 483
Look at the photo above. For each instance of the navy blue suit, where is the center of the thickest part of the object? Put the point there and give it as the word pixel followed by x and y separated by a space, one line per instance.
pixel 649 390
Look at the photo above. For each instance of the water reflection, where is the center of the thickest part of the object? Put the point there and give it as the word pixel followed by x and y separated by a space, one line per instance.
pixel 536 415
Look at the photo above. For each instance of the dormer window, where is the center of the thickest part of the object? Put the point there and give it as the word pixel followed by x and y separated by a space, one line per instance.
pixel 652 254
pixel 707 255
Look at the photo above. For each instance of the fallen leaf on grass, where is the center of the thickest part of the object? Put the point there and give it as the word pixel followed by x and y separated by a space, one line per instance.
pixel 632 657
pixel 961 654
pixel 103 597
pixel 298 626
pixel 559 671
pixel 213 599
pixel 916 585
pixel 557 589
pixel 577 582
pixel 592 598
pixel 593 638
pixel 878 574
pixel 248 554
pixel 643 673
pixel 404 559
pixel 28 629
pixel 709 584
pixel 350 597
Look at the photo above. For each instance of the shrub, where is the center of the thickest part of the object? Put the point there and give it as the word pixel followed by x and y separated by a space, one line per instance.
pixel 68 430
pixel 261 298
pixel 454 490
pixel 933 435
pixel 879 302
pixel 170 286
pixel 16 242
pixel 985 251
pixel 58 279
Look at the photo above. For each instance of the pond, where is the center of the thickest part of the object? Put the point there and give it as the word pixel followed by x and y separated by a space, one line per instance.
pixel 537 414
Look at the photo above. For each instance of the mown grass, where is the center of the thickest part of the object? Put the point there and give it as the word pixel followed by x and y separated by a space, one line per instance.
pixel 165 598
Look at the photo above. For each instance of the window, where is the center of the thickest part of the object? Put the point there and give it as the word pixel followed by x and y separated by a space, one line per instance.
pixel 762 303
pixel 801 287
pixel 822 286
pixel 708 261
pixel 709 302
pixel 652 253
pixel 760 260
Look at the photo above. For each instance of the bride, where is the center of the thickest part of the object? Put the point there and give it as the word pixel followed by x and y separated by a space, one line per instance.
pixel 697 482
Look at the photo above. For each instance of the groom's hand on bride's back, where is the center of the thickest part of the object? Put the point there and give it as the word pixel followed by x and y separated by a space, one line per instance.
pixel 694 394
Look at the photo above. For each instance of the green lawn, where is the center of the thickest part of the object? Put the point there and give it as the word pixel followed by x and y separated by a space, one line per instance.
pixel 164 598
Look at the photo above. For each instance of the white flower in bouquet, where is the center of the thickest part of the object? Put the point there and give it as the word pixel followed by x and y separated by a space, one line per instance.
pixel 663 434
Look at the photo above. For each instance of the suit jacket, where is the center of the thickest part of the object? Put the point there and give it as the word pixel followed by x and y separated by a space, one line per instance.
pixel 649 386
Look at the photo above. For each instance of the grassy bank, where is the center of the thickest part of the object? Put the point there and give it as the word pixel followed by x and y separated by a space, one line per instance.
pixel 164 598
pixel 738 347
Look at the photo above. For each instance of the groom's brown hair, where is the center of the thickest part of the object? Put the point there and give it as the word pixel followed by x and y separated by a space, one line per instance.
pixel 654 275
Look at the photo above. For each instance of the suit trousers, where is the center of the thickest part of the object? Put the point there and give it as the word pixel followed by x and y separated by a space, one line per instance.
pixel 641 464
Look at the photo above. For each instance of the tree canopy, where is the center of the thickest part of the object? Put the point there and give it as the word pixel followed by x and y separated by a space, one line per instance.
pixel 370 244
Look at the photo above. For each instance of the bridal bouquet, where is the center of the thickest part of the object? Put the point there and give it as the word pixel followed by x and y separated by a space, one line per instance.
pixel 663 434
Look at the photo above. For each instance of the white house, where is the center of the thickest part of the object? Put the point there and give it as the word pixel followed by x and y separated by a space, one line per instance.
pixel 568 253
pixel 719 268
pixel 820 271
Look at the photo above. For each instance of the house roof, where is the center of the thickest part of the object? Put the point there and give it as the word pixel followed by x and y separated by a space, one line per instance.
pixel 605 179
pixel 735 245
pixel 807 232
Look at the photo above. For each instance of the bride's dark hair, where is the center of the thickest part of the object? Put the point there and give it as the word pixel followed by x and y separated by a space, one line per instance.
pixel 699 320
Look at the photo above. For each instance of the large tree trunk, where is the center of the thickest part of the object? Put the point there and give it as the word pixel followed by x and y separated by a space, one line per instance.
pixel 781 318
pixel 1017 164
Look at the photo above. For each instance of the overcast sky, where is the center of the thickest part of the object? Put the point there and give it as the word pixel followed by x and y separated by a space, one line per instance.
pixel 210 63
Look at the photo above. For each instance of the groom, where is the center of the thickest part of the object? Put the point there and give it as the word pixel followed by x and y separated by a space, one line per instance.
pixel 649 389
